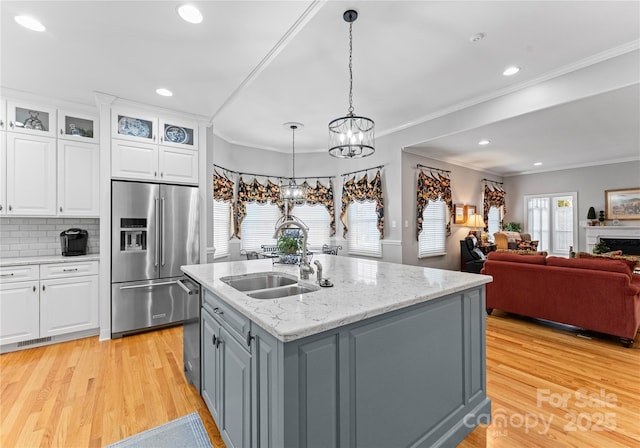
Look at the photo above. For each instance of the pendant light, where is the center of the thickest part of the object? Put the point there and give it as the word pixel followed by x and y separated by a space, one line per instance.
pixel 351 136
pixel 292 193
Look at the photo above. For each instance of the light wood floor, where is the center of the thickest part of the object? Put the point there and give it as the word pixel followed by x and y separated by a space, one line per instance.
pixel 549 388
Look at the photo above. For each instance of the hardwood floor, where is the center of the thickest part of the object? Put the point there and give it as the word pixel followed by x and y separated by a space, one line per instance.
pixel 549 387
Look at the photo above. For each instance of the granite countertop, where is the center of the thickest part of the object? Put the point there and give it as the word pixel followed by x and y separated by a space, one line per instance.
pixel 44 259
pixel 363 288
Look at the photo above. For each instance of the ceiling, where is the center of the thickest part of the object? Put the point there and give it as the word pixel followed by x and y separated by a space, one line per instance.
pixel 251 66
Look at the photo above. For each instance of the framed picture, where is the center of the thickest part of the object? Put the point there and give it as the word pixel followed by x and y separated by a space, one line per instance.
pixel 458 214
pixel 622 204
pixel 468 211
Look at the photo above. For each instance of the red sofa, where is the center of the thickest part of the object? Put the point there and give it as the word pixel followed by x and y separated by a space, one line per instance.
pixel 596 294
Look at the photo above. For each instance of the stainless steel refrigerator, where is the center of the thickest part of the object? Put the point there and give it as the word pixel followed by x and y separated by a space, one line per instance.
pixel 155 230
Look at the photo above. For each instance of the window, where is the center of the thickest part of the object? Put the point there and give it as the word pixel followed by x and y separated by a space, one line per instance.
pixel 432 239
pixel 493 225
pixel 258 225
pixel 363 237
pixel 551 219
pixel 221 227
pixel 316 217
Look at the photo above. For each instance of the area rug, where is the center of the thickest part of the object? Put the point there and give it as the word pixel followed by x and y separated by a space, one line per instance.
pixel 185 432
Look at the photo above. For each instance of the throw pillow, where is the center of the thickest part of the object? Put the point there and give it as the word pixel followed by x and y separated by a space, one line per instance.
pixel 477 254
pixel 517 257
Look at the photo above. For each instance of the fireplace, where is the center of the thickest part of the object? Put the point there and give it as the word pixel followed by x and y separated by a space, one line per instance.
pixel 625 238
pixel 628 246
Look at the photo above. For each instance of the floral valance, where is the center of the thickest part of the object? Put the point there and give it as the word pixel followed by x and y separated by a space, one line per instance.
pixel 254 191
pixel 431 187
pixel 494 196
pixel 222 188
pixel 323 195
pixel 361 191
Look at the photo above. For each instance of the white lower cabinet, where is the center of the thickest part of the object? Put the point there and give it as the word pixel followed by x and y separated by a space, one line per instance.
pixel 19 312
pixel 67 305
pixel 47 300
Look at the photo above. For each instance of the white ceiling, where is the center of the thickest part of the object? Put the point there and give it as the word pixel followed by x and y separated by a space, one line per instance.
pixel 253 65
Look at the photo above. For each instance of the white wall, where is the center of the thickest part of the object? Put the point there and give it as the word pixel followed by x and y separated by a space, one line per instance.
pixel 466 188
pixel 589 182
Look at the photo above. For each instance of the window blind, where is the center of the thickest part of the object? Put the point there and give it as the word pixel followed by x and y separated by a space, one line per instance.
pixel 316 217
pixel 258 226
pixel 221 224
pixel 432 239
pixel 363 237
pixel 493 225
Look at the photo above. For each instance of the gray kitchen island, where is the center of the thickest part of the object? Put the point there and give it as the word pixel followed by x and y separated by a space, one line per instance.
pixel 390 356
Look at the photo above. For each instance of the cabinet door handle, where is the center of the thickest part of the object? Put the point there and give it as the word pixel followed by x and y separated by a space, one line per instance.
pixel 161 139
pixel 218 311
pixel 34 288
pixel 43 287
pixel 161 174
pixel 249 337
pixel 10 208
pixel 1 123
pixel 70 270
pixel 155 174
pixel 218 341
pixel 11 124
pixel 154 138
pixel 213 339
pixel 61 133
pixel 0 207
pixel 10 274
pixel 60 208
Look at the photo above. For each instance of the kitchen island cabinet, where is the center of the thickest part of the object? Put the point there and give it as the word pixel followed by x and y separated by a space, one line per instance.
pixel 392 355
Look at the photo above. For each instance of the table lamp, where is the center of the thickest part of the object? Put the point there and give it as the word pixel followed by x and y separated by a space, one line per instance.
pixel 475 221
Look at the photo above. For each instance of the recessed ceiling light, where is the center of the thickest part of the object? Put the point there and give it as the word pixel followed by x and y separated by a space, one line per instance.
pixel 511 71
pixel 484 142
pixel 190 13
pixel 164 92
pixel 537 164
pixel 30 23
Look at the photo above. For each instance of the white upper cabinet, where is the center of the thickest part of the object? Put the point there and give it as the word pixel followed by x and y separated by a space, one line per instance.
pixel 78 179
pixel 27 118
pixel 77 126
pixel 134 126
pixel 178 133
pixel 3 173
pixel 3 115
pixel 137 154
pixel 31 175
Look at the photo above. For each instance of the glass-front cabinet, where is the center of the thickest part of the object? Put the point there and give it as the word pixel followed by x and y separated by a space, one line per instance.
pixel 134 126
pixel 31 119
pixel 178 133
pixel 78 126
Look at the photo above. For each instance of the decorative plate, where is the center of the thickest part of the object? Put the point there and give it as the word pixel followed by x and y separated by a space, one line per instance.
pixel 133 127
pixel 176 134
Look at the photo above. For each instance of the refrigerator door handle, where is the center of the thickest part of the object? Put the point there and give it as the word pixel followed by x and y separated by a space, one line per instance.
pixel 157 248
pixel 184 287
pixel 149 285
pixel 162 230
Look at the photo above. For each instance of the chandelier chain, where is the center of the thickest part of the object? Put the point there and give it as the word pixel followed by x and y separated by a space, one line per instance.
pixel 350 69
pixel 293 144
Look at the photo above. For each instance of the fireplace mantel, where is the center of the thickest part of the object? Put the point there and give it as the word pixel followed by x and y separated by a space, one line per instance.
pixel 596 232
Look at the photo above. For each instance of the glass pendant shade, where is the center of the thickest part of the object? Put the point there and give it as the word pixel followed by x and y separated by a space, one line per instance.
pixel 351 136
pixel 292 193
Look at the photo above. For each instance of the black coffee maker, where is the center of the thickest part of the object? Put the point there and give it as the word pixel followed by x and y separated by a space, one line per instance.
pixel 74 242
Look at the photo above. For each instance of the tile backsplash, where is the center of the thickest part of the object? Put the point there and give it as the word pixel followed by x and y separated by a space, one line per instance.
pixel 29 237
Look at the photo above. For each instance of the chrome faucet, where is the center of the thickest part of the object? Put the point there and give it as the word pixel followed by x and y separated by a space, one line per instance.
pixel 319 270
pixel 305 267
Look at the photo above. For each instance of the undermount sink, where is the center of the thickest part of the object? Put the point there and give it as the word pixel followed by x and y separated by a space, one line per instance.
pixel 283 291
pixel 259 280
pixel 267 285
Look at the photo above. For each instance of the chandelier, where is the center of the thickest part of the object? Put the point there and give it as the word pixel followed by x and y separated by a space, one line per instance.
pixel 351 136
pixel 292 193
